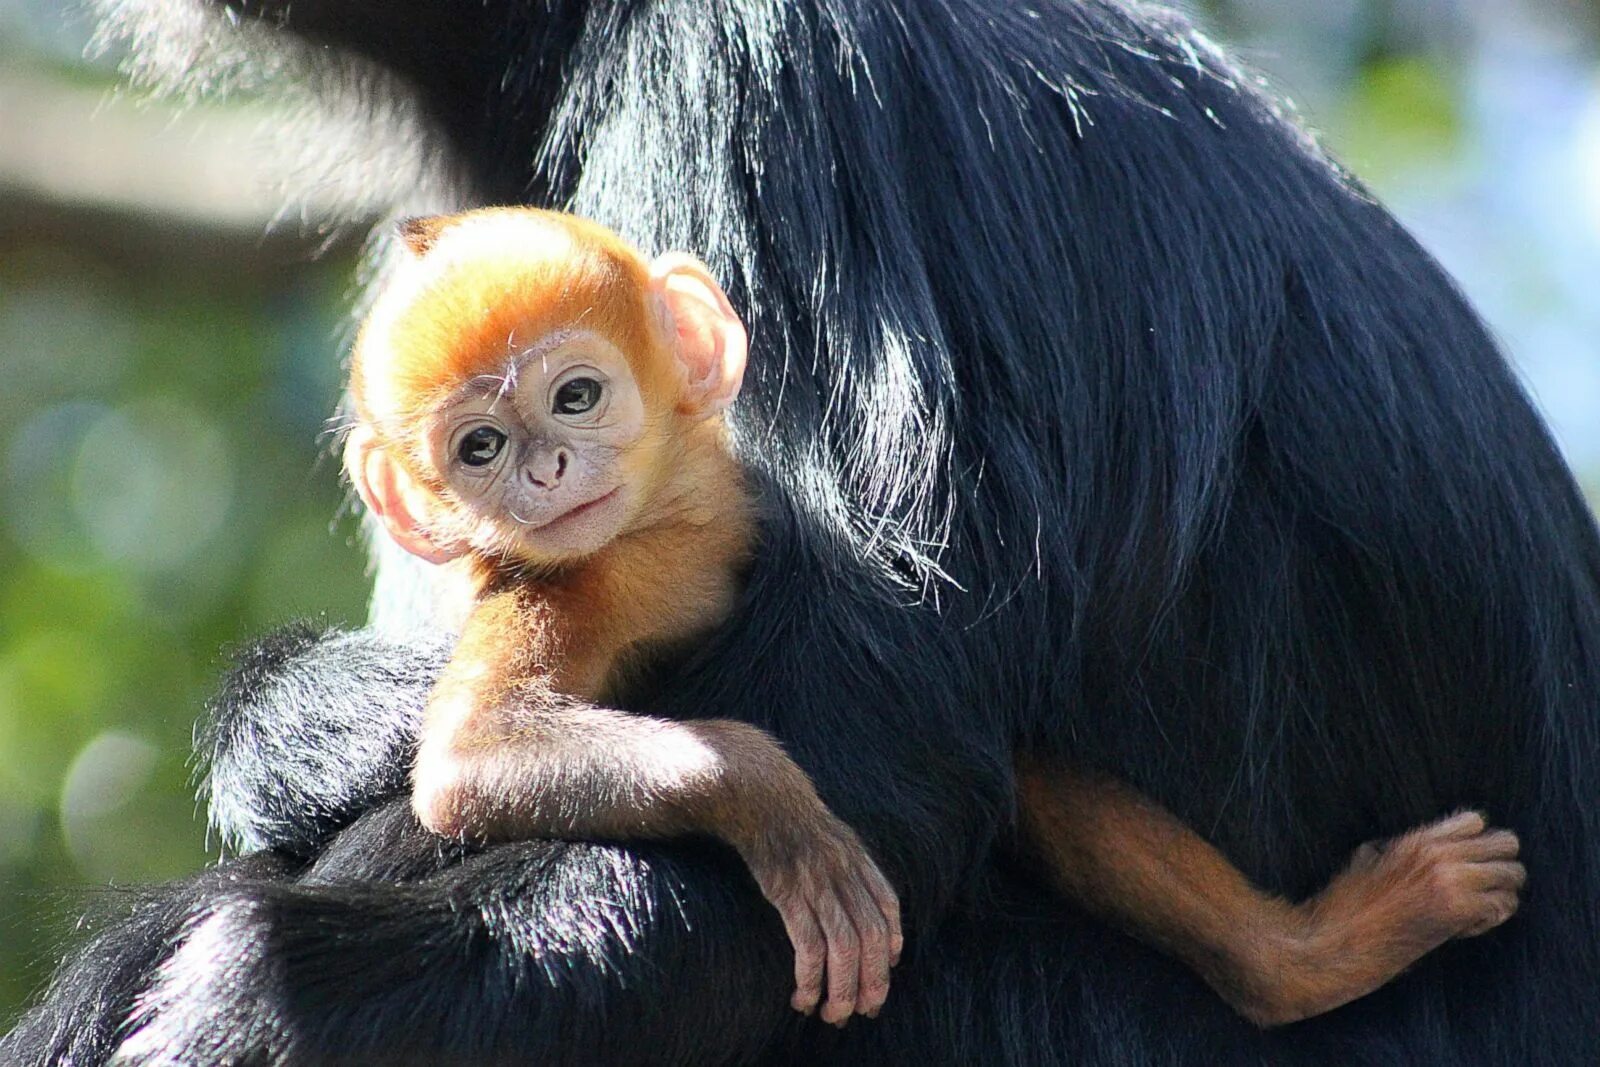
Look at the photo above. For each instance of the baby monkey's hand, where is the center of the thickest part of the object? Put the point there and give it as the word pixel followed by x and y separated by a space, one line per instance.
pixel 840 911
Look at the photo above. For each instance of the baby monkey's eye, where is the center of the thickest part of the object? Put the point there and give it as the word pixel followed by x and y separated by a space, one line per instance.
pixel 479 447
pixel 576 396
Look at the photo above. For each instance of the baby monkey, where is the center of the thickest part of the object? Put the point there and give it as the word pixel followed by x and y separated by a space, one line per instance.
pixel 533 395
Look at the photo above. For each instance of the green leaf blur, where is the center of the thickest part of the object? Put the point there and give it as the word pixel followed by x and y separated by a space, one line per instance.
pixel 167 493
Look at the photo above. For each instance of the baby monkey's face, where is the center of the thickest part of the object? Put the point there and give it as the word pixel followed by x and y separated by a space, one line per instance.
pixel 528 385
pixel 544 458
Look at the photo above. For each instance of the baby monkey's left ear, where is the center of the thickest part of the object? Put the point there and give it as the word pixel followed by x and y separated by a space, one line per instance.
pixel 404 507
pixel 711 341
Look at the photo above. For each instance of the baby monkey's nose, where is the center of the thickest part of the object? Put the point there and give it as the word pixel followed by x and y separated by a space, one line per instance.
pixel 546 467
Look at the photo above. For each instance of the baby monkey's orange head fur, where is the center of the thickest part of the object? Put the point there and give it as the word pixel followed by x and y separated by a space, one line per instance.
pixel 527 382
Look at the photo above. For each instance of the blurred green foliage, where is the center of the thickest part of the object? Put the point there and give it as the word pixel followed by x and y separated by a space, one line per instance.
pixel 1404 111
pixel 166 493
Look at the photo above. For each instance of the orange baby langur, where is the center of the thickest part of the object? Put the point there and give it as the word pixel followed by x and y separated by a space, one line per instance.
pixel 534 395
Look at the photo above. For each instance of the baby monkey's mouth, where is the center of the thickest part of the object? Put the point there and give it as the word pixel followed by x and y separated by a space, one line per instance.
pixel 570 513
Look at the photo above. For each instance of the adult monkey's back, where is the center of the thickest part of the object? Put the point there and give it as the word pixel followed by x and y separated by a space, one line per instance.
pixel 1101 418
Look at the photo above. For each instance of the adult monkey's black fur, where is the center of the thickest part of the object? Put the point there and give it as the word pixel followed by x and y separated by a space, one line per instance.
pixel 1100 417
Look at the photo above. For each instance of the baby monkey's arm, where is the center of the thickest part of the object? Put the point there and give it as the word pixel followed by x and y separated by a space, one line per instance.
pixel 1122 856
pixel 505 754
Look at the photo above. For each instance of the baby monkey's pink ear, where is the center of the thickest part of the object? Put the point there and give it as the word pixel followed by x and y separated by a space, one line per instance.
pixel 393 495
pixel 711 341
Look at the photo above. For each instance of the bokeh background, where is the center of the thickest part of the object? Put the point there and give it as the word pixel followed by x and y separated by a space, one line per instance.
pixel 170 348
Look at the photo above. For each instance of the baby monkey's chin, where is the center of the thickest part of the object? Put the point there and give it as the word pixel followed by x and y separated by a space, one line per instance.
pixel 576 532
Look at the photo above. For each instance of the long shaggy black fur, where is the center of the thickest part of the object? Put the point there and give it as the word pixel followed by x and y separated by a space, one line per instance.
pixel 311 729
pixel 1098 416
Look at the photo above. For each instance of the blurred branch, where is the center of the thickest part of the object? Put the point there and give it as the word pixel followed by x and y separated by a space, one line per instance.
pixel 116 170
pixel 180 248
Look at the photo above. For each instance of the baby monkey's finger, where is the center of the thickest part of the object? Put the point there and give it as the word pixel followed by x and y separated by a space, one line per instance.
pixel 1502 875
pixel 810 955
pixel 844 959
pixel 1492 845
pixel 1461 825
pixel 873 930
pixel 888 903
pixel 1500 906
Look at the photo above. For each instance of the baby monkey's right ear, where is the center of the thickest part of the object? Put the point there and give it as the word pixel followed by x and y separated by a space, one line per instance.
pixel 404 507
pixel 419 232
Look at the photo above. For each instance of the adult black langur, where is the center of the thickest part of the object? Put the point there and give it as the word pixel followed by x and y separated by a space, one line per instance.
pixel 1097 417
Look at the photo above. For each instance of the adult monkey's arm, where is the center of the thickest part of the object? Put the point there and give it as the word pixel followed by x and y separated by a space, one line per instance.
pixel 387 949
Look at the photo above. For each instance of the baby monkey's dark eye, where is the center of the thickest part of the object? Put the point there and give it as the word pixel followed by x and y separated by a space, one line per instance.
pixel 479 447
pixel 576 396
